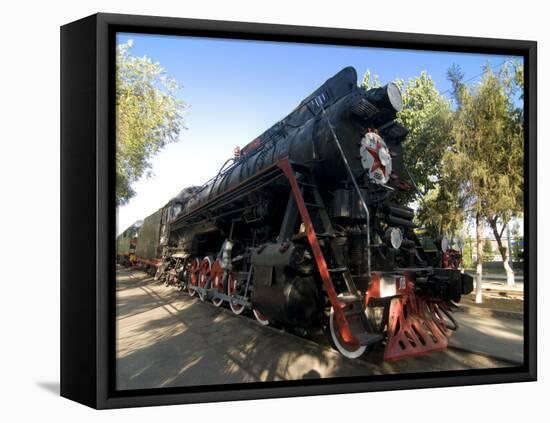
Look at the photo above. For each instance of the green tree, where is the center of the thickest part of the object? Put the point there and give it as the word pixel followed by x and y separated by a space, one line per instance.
pixel 456 77
pixel 488 252
pixel 427 115
pixel 441 210
pixel 467 253
pixel 487 153
pixel 370 81
pixel 149 115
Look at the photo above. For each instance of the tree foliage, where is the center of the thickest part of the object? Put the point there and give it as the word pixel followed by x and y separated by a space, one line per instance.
pixel 467 252
pixel 370 81
pixel 488 252
pixel 149 115
pixel 487 153
pixel 428 116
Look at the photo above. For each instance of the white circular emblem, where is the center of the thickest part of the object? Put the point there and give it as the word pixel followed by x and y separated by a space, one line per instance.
pixel 376 158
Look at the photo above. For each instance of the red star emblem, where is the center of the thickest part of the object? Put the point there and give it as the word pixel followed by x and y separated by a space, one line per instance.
pixel 377 162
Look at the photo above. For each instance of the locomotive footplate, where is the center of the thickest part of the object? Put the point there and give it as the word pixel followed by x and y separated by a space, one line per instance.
pixel 358 323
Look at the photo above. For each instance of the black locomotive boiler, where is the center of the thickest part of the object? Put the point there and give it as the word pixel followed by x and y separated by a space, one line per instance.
pixel 304 225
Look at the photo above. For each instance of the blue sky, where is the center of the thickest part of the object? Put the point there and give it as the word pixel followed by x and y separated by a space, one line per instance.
pixel 237 89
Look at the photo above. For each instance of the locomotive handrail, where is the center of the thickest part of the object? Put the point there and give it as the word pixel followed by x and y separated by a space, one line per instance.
pixel 222 171
pixel 357 189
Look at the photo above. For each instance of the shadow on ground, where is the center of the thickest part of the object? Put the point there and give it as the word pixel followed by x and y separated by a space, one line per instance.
pixel 51 387
pixel 166 338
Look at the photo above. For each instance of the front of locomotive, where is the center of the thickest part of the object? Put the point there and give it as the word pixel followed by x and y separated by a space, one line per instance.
pixel 408 293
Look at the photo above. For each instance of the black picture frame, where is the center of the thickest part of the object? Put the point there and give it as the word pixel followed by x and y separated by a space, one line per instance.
pixel 88 210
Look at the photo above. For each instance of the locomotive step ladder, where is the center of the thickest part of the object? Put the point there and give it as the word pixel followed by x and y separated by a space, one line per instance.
pixel 348 308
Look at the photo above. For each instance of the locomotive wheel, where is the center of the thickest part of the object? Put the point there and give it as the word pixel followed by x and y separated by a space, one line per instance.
pixel 264 321
pixel 231 291
pixel 204 275
pixel 347 349
pixel 193 276
pixel 216 276
pixel 165 278
pixel 172 280
pixel 181 285
pixel 158 273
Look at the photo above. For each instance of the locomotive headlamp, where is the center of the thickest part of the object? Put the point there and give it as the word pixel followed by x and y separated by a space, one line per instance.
pixel 394 96
pixel 395 237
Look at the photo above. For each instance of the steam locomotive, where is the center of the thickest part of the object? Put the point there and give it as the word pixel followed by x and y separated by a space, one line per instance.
pixel 304 227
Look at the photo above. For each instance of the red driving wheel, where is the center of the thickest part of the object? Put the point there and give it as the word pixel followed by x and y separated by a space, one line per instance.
pixel 193 275
pixel 231 291
pixel 263 320
pixel 216 278
pixel 204 275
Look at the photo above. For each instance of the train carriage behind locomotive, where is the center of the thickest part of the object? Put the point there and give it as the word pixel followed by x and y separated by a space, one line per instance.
pixel 306 222
pixel 126 244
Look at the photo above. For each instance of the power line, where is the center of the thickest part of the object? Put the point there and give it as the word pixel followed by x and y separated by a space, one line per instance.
pixel 494 67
